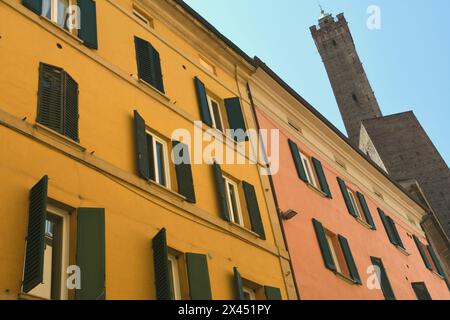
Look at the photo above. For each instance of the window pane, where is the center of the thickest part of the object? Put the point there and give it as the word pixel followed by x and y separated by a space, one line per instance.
pixel 160 164
pixel 46 9
pixel 171 280
pixel 234 204
pixel 216 113
pixel 63 5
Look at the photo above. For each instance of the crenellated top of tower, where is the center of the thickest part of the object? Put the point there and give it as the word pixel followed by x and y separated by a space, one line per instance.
pixel 327 23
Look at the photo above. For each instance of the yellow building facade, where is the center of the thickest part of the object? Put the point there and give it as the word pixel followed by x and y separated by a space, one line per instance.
pixel 86 124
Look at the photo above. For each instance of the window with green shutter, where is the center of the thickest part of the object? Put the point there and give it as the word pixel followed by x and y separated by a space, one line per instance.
pixel 436 261
pixel 253 209
pixel 236 119
pixel 391 229
pixel 248 290
pixel 198 276
pixel 58 101
pixel 347 198
pixel 421 291
pixel 161 267
pixel 322 178
pixel 203 102
pixel 324 246
pixel 383 278
pixel 88 23
pixel 148 64
pixel 297 161
pixel 183 170
pixel 422 252
pixel 238 285
pixel 221 191
pixel 366 211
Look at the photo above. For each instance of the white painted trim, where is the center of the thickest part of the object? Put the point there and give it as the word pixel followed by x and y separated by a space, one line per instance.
pixel 175 276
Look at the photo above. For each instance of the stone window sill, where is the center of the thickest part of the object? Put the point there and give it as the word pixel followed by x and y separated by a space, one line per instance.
pixel 166 190
pixel 344 277
pixel 59 137
pixel 314 188
pixel 364 223
pixel 50 22
pixel 27 296
pixel 236 225
pixel 148 85
pixel 406 253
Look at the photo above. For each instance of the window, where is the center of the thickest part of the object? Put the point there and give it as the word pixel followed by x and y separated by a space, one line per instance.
pixel 56 256
pixel 383 279
pixel 337 254
pixel 391 229
pixel 429 257
pixel 421 291
pixel 208 66
pixel 159 160
pixel 56 11
pixel 234 207
pixel 174 277
pixel 354 203
pixel 308 170
pixel 148 64
pixel 249 294
pixel 214 109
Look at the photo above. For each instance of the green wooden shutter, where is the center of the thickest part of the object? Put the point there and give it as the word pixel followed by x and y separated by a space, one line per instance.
pixel 272 293
pixel 157 71
pixel 388 227
pixel 148 63
pixel 161 267
pixel 436 261
pixel 395 231
pixel 238 285
pixel 236 118
pixel 383 279
pixel 346 196
pixel 324 247
pixel 253 209
pixel 88 23
pixel 422 253
pixel 33 5
pixel 298 161
pixel 34 256
pixel 184 172
pixel 322 178
pixel 70 107
pixel 198 276
pixel 421 291
pixel 365 208
pixel 91 253
pixel 203 102
pixel 142 152
pixel 221 196
pixel 349 259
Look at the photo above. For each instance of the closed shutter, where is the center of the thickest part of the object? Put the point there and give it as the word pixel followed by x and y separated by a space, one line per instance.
pixel 272 293
pixel 388 227
pixel 184 171
pixel 346 196
pixel 298 161
pixel 383 279
pixel 71 107
pixel 203 102
pixel 148 63
pixel 436 261
pixel 322 178
pixel 198 276
pixel 33 5
pixel 142 152
pixel 238 285
pixel 91 253
pixel 422 253
pixel 421 291
pixel 323 244
pixel 157 71
pixel 365 208
pixel 396 234
pixel 161 267
pixel 253 209
pixel 34 257
pixel 88 23
pixel 349 259
pixel 236 118
pixel 220 189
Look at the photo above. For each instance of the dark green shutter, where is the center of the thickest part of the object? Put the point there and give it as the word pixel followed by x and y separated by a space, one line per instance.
pixel 236 118
pixel 324 247
pixel 88 23
pixel 203 102
pixel 272 293
pixel 365 208
pixel 421 291
pixel 148 63
pixel 322 178
pixel 298 161
pixel 91 253
pixel 346 196
pixel 33 5
pixel 220 189
pixel 184 173
pixel 34 256
pixel 198 276
pixel 383 279
pixel 349 259
pixel 388 227
pixel 436 261
pixel 70 107
pixel 396 234
pixel 422 253
pixel 157 71
pixel 161 267
pixel 253 209
pixel 142 152
pixel 238 285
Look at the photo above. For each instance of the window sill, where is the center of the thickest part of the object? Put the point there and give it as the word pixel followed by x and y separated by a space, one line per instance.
pixel 236 225
pixel 166 190
pixel 57 136
pixel 148 85
pixel 50 22
pixel 314 188
pixel 344 277
pixel 437 275
pixel 30 297
pixel 364 223
pixel 406 253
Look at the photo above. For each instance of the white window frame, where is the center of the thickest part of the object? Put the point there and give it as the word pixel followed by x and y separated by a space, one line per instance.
pixel 54 11
pixel 353 200
pixel 156 139
pixel 211 111
pixel 250 292
pixel 308 169
pixel 232 214
pixel 175 276
pixel 333 252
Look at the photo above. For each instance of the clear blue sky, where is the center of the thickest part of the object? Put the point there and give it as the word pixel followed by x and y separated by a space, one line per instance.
pixel 407 61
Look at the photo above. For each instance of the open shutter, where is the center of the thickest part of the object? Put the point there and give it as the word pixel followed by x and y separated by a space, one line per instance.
pixel 198 275
pixel 298 161
pixel 33 5
pixel 383 279
pixel 148 63
pixel 421 291
pixel 322 178
pixel 422 253
pixel 238 285
pixel 349 259
pixel 253 209
pixel 70 107
pixel 396 234
pixel 346 196
pixel 34 257
pixel 88 23
pixel 161 266
pixel 220 189
pixel 91 253
pixel 324 247
pixel 388 227
pixel 203 102
pixel 272 293
pixel 365 208
pixel 236 118
pixel 157 71
pixel 142 152
pixel 436 261
pixel 184 171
